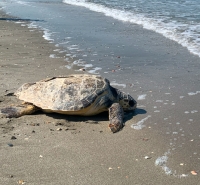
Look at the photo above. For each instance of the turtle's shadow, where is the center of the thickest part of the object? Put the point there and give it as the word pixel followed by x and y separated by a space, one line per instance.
pixel 131 114
pixel 96 118
pixel 93 119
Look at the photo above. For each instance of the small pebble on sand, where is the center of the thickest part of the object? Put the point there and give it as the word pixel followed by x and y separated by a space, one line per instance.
pixel 13 137
pixel 193 172
pixel 10 144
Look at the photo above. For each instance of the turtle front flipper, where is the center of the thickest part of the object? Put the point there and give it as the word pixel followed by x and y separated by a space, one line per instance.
pixel 116 115
pixel 16 111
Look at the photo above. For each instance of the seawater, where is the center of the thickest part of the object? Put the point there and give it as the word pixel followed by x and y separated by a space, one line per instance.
pixel 178 20
pixel 175 19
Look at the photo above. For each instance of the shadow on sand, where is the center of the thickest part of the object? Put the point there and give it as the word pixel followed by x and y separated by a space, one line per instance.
pixel 18 19
pixel 130 115
pixel 96 118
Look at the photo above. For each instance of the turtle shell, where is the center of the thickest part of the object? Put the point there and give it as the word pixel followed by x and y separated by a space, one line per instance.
pixel 69 93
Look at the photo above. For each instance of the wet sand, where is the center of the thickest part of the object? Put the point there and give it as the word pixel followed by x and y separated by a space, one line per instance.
pixel 55 149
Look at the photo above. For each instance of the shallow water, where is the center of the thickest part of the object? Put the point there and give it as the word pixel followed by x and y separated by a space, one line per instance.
pixel 178 20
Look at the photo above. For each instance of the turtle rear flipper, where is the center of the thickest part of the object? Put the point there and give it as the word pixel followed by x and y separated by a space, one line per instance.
pixel 116 115
pixel 18 110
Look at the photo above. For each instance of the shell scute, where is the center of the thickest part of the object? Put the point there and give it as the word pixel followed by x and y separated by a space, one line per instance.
pixel 92 97
pixel 100 84
pixel 70 93
pixel 85 102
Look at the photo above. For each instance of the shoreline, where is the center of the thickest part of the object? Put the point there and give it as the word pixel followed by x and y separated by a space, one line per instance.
pixel 82 152
pixel 29 46
pixel 143 21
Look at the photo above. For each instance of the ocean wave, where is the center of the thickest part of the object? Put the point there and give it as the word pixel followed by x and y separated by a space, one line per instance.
pixel 183 33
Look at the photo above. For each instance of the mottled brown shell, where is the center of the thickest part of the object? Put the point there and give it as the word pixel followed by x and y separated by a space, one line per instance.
pixel 69 93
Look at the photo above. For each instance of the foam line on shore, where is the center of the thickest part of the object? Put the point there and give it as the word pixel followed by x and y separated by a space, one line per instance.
pixel 162 162
pixel 139 125
pixel 168 30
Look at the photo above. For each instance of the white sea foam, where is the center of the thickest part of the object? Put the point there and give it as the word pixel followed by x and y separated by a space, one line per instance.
pixel 162 162
pixel 94 71
pixel 63 43
pixel 68 66
pixel 169 30
pixel 83 64
pixel 117 84
pixel 20 22
pixel 32 25
pixel 47 35
pixel 194 111
pixel 142 97
pixel 88 65
pixel 139 125
pixel 53 56
pixel 23 3
pixel 56 50
pixel 193 93
pixel 159 101
pixel 72 48
pixel 79 62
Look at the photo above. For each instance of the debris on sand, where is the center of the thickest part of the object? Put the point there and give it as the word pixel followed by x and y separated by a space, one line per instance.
pixel 193 172
pixel 21 182
pixel 10 145
pixel 147 157
pixel 13 138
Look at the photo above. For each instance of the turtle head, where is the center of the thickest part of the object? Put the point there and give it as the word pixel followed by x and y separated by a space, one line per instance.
pixel 126 101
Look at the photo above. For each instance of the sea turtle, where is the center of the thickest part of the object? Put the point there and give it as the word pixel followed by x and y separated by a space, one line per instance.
pixel 78 94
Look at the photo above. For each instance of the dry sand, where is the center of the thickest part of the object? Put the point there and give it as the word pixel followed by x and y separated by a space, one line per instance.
pixel 53 149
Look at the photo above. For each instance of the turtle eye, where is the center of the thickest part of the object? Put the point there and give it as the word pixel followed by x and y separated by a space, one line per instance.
pixel 131 103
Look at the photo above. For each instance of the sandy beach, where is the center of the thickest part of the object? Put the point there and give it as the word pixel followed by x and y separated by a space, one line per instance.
pixel 55 149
